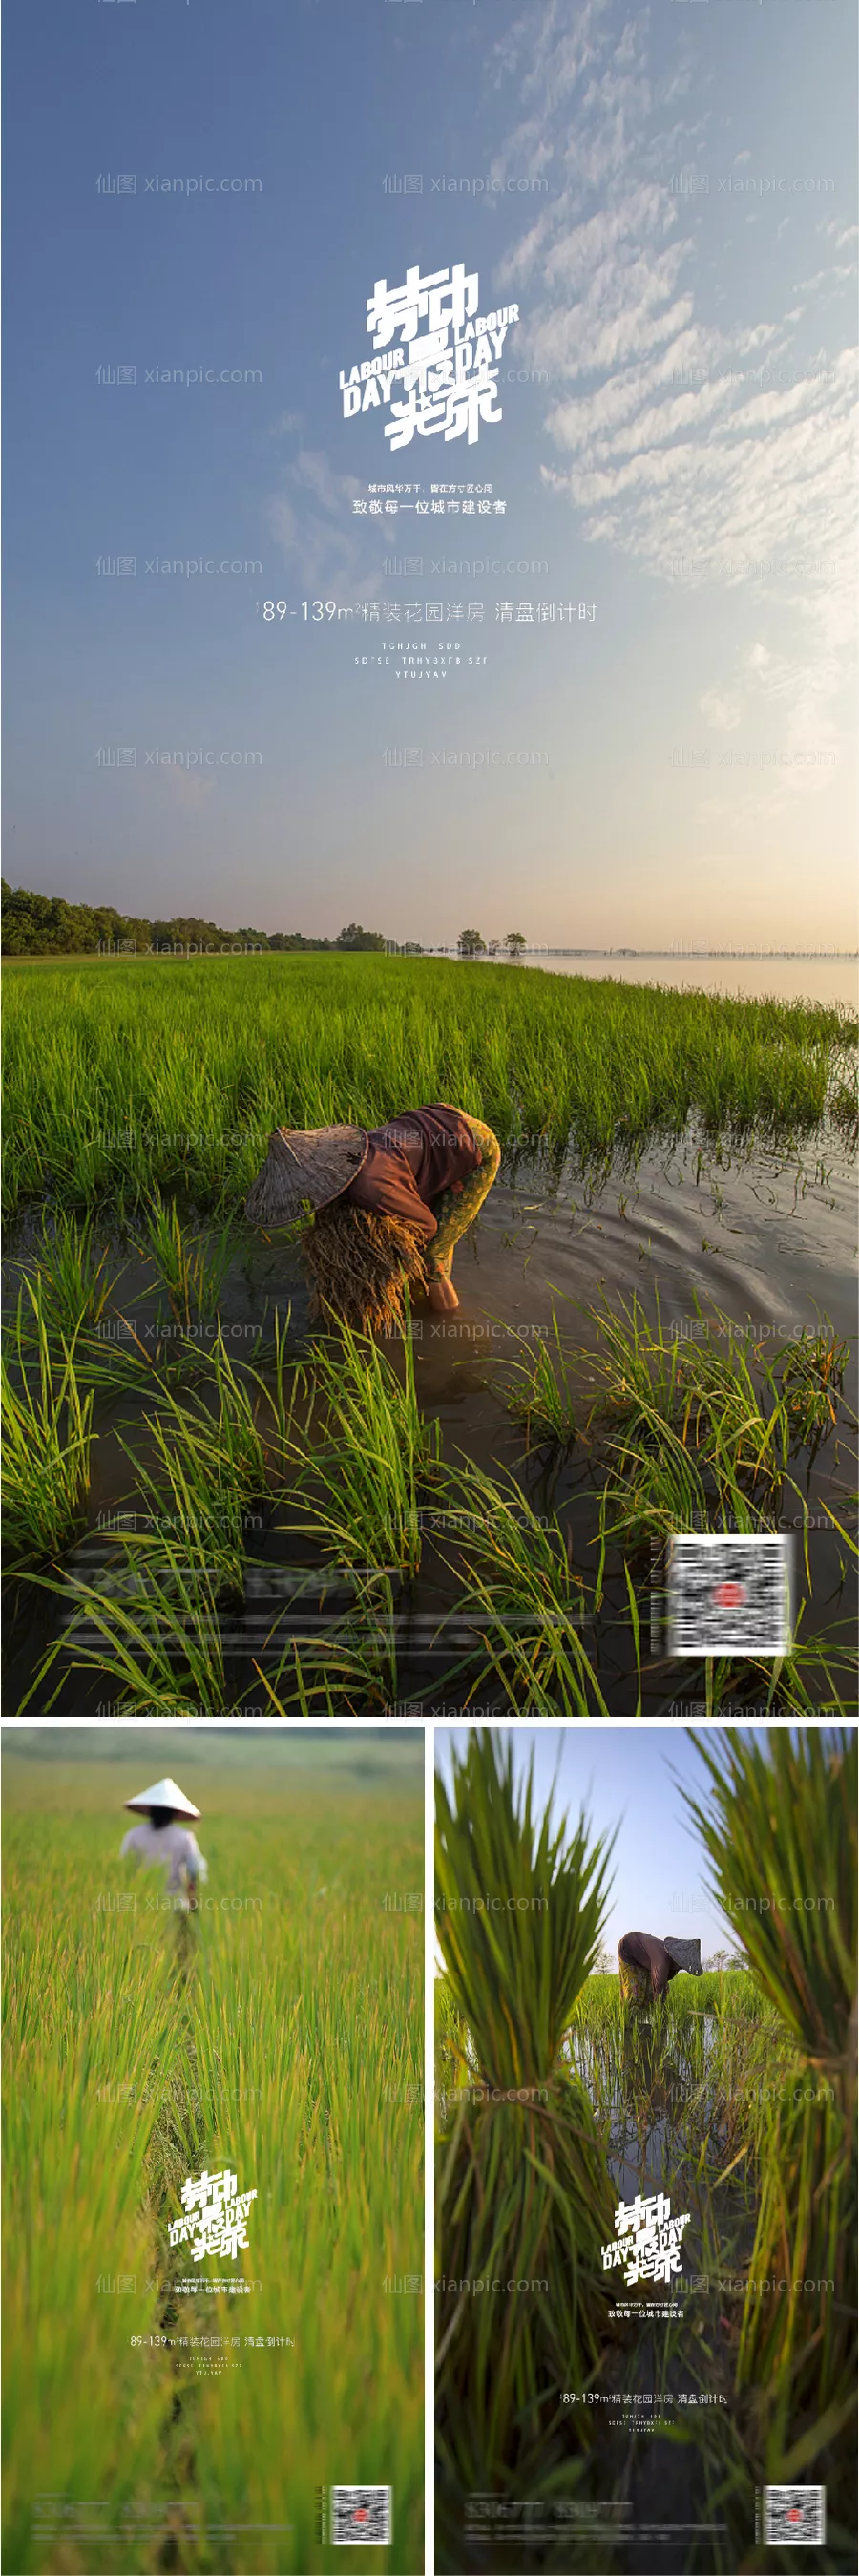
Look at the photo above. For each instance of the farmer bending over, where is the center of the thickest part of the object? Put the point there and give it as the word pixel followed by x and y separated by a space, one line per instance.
pixel 646 1966
pixel 383 1207
pixel 164 1837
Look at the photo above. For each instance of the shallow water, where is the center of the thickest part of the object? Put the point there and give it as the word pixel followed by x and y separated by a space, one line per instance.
pixel 787 979
pixel 763 1238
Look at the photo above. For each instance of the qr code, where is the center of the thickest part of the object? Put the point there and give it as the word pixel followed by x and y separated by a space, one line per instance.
pixel 794 2517
pixel 729 1595
pixel 361 2515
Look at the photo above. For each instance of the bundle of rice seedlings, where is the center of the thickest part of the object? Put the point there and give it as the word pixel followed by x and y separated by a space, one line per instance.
pixel 359 1264
pixel 779 1825
pixel 454 2055
pixel 523 2198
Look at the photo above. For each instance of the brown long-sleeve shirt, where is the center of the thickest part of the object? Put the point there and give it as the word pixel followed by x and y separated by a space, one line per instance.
pixel 389 1182
pixel 643 1951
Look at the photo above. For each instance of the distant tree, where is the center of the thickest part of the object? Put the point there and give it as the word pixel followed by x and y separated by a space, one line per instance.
pixel 354 937
pixel 470 944
pixel 294 939
pixel 514 943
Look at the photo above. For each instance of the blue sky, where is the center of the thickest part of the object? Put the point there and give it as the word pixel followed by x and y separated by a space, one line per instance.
pixel 672 206
pixel 626 1777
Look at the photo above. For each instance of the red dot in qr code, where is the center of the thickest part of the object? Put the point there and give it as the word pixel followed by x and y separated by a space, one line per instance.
pixel 728 1596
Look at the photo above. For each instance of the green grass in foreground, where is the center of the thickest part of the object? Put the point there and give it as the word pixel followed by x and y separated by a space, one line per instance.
pixel 128 1076
pixel 336 1448
pixel 281 2037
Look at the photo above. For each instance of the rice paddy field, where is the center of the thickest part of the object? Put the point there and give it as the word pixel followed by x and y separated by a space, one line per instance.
pixel 279 2032
pixel 212 1508
pixel 610 2438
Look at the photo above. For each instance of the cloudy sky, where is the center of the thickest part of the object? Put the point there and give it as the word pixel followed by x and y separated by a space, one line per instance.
pixel 668 195
pixel 632 1785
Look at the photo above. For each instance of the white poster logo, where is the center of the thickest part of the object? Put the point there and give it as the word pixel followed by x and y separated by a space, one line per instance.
pixel 216 2215
pixel 648 2239
pixel 444 377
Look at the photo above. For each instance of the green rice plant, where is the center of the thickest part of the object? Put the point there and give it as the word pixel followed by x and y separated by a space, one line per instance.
pixel 91 2017
pixel 210 1442
pixel 279 2031
pixel 844 1108
pixel 540 1391
pixel 811 1370
pixel 151 1626
pixel 152 1620
pixel 351 1669
pixel 522 2193
pixel 74 1286
pixel 367 1459
pixel 161 1080
pixel 234 1425
pixel 778 1823
pixel 730 1992
pixel 706 2058
pixel 47 1438
pixel 311 2086
pixel 689 1436
pixel 522 1603
pixel 192 1268
pixel 688 1440
pixel 455 2064
pixel 816 1679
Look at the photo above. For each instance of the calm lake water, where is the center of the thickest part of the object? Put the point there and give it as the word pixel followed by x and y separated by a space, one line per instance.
pixel 790 979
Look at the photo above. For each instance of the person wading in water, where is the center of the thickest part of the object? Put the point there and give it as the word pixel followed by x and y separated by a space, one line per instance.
pixel 646 1966
pixel 383 1208
pixel 164 1837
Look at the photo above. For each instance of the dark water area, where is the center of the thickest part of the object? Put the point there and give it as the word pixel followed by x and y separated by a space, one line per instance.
pixel 767 1238
pixel 639 2500
pixel 659 2109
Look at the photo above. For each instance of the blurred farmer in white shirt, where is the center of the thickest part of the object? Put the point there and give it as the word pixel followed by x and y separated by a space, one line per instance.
pixel 164 1837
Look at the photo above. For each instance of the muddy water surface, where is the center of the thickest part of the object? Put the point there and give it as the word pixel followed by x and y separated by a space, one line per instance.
pixel 766 1238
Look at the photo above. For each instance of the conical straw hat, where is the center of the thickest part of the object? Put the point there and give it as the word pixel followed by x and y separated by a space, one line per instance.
pixel 164 1794
pixel 315 1163
pixel 685 1954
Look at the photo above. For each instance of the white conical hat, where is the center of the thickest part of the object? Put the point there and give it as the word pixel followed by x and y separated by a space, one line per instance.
pixel 165 1794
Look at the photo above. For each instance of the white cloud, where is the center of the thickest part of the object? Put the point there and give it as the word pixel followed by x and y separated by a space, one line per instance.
pixel 323 545
pixel 673 438
pixel 188 789
pixel 721 713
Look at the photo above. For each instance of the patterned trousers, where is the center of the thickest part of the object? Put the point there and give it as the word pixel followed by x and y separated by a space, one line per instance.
pixel 635 1983
pixel 456 1208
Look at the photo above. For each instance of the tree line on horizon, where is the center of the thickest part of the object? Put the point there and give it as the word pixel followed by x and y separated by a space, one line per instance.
pixel 45 925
